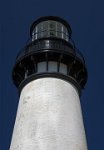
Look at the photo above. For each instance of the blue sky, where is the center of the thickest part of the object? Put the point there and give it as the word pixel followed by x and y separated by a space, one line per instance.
pixel 87 22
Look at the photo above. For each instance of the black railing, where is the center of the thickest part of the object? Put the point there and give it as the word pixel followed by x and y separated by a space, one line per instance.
pixel 41 45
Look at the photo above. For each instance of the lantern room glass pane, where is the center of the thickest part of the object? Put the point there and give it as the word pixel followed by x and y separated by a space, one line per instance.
pixel 63 68
pixel 41 67
pixel 50 29
pixel 52 66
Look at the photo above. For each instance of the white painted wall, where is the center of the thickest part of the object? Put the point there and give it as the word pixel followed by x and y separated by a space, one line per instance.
pixel 49 117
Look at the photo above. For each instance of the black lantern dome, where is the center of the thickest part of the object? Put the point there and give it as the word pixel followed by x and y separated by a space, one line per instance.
pixel 50 54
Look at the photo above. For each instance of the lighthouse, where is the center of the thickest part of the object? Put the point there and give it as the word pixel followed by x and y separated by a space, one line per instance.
pixel 50 74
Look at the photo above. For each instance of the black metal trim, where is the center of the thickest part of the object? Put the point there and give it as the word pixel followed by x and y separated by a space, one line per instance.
pixel 57 51
pixel 55 44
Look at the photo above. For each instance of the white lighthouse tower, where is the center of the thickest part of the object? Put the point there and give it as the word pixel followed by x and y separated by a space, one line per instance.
pixel 50 74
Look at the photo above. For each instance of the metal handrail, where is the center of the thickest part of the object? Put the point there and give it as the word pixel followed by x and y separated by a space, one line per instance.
pixel 78 53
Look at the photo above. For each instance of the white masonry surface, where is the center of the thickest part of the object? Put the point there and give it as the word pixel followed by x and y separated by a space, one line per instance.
pixel 49 117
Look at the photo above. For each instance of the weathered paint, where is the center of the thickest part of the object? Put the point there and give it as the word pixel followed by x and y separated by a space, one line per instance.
pixel 49 117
